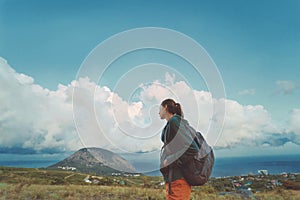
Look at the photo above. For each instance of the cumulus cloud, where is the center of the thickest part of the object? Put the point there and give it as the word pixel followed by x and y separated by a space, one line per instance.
pixel 35 119
pixel 32 118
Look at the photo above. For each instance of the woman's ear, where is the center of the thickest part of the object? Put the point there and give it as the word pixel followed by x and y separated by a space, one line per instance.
pixel 165 108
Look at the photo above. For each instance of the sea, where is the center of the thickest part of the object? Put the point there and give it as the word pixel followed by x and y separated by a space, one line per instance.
pixel 224 166
pixel 251 165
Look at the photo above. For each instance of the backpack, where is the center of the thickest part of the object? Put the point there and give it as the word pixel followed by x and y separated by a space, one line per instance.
pixel 196 165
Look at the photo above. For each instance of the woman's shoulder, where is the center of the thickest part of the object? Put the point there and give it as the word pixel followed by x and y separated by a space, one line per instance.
pixel 175 119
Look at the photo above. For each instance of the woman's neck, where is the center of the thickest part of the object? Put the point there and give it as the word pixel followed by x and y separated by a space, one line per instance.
pixel 169 116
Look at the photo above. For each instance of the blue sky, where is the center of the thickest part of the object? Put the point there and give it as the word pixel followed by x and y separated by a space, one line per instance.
pixel 255 44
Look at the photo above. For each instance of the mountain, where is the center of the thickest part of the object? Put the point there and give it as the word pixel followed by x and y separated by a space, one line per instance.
pixel 95 160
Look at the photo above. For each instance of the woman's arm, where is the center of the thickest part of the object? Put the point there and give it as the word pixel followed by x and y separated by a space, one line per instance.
pixel 173 149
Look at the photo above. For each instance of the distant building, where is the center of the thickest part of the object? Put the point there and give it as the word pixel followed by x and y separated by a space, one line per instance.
pixel 248 183
pixel 116 174
pixel 276 183
pixel 284 174
pixel 67 168
pixel 263 172
pixel 87 179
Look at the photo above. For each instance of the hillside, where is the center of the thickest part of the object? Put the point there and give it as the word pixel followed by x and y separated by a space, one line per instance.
pixel 95 161
pixel 26 183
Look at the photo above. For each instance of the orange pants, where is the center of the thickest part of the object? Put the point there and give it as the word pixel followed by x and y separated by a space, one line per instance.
pixel 181 190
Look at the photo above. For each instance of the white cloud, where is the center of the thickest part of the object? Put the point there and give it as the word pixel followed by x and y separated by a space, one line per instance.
pixel 295 121
pixel 170 79
pixel 35 118
pixel 285 87
pixel 294 126
pixel 247 92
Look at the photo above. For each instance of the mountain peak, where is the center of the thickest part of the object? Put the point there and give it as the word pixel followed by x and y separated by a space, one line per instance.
pixel 96 160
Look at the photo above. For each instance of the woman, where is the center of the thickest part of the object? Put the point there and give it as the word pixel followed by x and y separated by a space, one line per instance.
pixel 176 186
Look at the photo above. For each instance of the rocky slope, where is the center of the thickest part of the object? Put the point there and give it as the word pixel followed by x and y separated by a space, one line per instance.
pixel 95 160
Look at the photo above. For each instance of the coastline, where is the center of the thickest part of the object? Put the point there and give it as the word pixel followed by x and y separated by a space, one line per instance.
pixel 224 166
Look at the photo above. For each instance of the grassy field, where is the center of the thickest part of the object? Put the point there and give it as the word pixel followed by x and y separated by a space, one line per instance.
pixel 20 183
pixel 79 192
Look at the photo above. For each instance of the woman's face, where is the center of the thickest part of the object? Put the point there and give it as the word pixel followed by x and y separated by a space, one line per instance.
pixel 162 112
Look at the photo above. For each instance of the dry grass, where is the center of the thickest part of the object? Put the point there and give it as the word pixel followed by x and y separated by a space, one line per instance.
pixel 81 192
pixel 78 192
pixel 17 183
pixel 280 194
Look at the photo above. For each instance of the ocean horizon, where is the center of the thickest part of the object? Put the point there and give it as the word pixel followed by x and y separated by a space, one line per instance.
pixel 275 164
pixel 224 166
